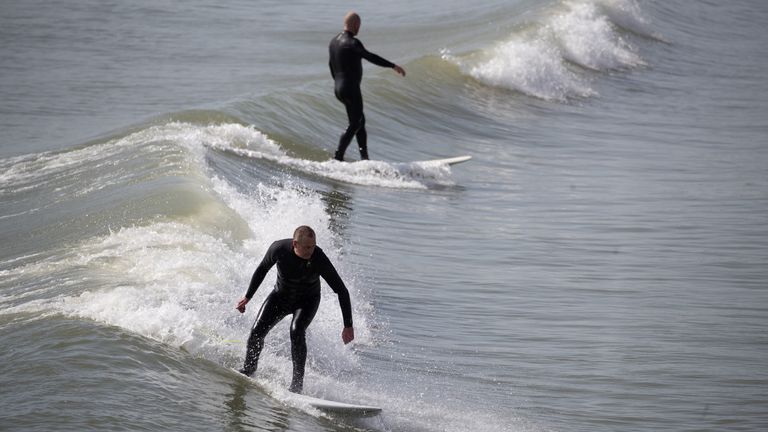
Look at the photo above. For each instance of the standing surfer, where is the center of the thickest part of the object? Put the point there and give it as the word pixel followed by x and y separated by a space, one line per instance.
pixel 345 60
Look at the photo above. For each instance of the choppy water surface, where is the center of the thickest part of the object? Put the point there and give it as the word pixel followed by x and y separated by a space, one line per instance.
pixel 600 264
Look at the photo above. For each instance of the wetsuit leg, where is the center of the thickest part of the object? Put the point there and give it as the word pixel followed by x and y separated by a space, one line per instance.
pixel 353 102
pixel 302 317
pixel 270 314
pixel 362 138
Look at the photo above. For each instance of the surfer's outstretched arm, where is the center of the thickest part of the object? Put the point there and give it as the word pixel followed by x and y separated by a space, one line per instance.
pixel 269 260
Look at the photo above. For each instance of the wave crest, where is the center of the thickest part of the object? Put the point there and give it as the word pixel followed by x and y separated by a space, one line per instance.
pixel 547 60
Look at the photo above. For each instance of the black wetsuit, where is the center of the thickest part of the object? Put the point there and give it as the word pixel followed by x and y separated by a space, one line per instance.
pixel 346 54
pixel 296 292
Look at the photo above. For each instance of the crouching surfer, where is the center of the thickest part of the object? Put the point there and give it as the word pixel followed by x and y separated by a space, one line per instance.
pixel 300 264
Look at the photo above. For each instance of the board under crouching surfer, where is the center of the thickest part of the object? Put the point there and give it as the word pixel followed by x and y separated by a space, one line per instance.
pixel 300 264
pixel 345 61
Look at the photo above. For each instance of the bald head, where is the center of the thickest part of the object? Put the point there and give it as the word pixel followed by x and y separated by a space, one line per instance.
pixel 304 242
pixel 352 22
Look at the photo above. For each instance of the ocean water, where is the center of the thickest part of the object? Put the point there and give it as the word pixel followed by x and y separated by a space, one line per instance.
pixel 600 265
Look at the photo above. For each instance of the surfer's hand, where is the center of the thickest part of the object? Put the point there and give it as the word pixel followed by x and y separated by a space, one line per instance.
pixel 348 335
pixel 399 70
pixel 241 304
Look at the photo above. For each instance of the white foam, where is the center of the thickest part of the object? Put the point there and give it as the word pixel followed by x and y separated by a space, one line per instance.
pixel 531 66
pixel 628 15
pixel 410 175
pixel 163 143
pixel 158 280
pixel 535 60
pixel 588 38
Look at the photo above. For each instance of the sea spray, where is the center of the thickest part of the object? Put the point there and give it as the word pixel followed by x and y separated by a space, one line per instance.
pixel 546 59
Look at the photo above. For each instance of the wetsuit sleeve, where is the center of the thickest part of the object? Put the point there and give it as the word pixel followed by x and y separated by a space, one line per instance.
pixel 373 58
pixel 331 276
pixel 269 260
pixel 331 49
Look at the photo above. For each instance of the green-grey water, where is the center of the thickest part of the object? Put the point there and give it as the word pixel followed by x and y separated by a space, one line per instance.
pixel 600 264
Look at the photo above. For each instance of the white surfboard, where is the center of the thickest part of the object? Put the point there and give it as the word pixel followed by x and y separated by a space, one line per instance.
pixel 325 405
pixel 336 407
pixel 445 161
pixel 448 161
